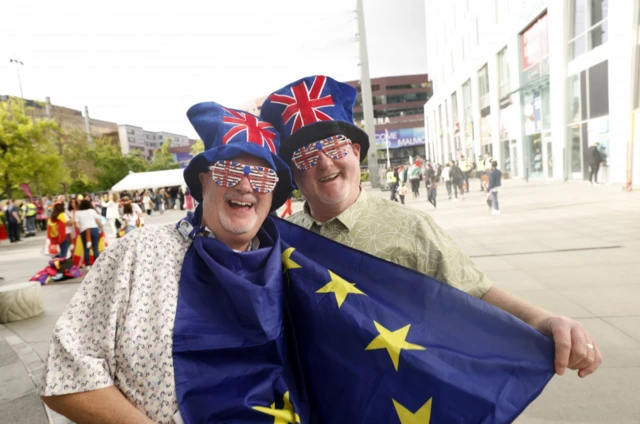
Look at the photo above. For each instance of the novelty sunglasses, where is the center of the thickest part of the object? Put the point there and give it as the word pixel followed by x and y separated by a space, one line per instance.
pixel 335 147
pixel 227 173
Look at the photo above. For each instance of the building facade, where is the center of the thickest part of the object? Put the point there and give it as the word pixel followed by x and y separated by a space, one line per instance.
pixel 535 83
pixel 135 138
pixel 398 114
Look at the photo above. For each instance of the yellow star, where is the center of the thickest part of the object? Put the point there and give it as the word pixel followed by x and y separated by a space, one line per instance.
pixel 286 415
pixel 422 415
pixel 393 341
pixel 340 287
pixel 287 262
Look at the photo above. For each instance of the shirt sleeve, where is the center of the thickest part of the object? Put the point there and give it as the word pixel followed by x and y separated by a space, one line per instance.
pixel 63 218
pixel 82 354
pixel 439 256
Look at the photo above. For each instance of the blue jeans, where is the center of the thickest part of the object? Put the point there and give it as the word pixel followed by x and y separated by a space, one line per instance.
pixel 494 200
pixel 95 240
pixel 64 248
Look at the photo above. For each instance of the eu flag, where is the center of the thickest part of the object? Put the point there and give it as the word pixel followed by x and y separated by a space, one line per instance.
pixel 379 343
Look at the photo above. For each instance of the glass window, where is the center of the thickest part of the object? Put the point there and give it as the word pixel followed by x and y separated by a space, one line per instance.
pixel 577 47
pixel 574 98
pixel 405 98
pixel 599 35
pixel 466 97
pixel 599 90
pixel 504 78
pixel 574 139
pixel 483 87
pixel 578 18
pixel 583 96
pixel 454 107
pixel 599 10
pixel 546 108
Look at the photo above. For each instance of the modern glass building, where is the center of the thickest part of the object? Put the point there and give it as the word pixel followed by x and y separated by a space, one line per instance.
pixel 535 83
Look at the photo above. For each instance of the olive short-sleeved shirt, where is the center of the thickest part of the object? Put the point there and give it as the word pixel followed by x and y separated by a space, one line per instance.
pixel 402 235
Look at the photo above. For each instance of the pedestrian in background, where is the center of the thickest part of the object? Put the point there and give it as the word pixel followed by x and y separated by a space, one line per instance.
pixel 113 213
pixel 495 181
pixel 432 191
pixel 456 180
pixel 392 181
pixel 402 192
pixel 465 167
pixel 414 179
pixel 181 198
pixel 90 226
pixel 13 220
pixel 446 178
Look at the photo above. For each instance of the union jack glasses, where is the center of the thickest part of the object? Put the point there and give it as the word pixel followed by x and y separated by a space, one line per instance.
pixel 227 173
pixel 335 147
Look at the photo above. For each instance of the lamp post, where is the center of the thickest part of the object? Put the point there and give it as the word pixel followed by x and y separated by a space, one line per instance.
pixel 18 62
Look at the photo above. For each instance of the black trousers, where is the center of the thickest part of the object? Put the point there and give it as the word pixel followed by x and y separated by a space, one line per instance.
pixel 393 187
pixel 14 231
pixel 593 175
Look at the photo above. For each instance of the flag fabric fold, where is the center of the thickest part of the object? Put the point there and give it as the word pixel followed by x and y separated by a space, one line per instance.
pixel 305 330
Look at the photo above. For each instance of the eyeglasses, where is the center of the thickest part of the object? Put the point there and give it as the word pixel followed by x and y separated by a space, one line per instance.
pixel 227 173
pixel 335 147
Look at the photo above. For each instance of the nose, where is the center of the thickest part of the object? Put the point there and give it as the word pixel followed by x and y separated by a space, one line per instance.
pixel 244 186
pixel 324 161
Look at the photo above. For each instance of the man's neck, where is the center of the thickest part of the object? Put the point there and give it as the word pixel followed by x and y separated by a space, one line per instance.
pixel 325 212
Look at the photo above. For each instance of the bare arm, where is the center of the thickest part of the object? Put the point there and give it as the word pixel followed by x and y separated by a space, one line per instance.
pixel 572 341
pixel 102 406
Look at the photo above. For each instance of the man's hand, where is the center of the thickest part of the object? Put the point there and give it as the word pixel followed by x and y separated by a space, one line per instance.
pixel 575 348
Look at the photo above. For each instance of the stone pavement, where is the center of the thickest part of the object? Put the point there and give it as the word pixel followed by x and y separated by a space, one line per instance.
pixel 571 248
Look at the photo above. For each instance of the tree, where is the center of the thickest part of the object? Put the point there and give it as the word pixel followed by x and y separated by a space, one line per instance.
pixel 79 164
pixel 111 165
pixel 27 151
pixel 163 159
pixel 198 147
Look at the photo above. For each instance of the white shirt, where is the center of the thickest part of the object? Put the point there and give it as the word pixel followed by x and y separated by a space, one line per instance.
pixel 118 328
pixel 446 174
pixel 131 219
pixel 112 209
pixel 87 219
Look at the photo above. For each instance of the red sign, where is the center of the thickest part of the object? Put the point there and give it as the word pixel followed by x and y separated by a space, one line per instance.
pixel 535 43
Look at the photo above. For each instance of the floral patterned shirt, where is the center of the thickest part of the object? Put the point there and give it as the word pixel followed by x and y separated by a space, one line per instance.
pixel 118 328
pixel 403 235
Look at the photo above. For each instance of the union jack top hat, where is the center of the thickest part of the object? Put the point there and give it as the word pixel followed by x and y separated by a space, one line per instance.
pixel 312 109
pixel 228 133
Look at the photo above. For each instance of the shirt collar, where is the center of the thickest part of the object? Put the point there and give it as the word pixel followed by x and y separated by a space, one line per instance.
pixel 348 218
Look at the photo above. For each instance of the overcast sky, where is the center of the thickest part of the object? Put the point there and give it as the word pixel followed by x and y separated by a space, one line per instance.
pixel 145 62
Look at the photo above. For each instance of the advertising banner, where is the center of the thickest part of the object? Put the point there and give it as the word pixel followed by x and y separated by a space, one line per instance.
pixel 403 137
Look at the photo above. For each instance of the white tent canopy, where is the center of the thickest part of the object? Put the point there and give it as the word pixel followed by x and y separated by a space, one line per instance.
pixel 147 180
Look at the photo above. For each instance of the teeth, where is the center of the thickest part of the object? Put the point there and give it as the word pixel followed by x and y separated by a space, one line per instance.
pixel 329 177
pixel 241 203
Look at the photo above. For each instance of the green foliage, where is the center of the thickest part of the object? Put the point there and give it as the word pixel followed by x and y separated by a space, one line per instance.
pixel 364 176
pixel 198 147
pixel 163 159
pixel 27 151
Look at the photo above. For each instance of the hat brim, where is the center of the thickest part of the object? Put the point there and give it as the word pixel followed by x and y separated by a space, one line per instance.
pixel 321 130
pixel 201 162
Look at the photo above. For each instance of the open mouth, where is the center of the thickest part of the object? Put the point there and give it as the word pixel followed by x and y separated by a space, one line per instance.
pixel 238 204
pixel 330 177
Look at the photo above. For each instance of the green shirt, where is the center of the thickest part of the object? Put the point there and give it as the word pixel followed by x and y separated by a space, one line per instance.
pixel 403 235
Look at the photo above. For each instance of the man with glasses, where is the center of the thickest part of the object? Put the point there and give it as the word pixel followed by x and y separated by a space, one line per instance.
pixel 126 348
pixel 324 146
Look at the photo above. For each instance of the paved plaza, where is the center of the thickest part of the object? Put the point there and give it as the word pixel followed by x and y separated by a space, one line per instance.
pixel 571 248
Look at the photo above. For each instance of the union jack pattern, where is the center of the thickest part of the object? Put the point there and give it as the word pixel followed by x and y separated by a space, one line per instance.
pixel 257 132
pixel 335 147
pixel 303 106
pixel 227 173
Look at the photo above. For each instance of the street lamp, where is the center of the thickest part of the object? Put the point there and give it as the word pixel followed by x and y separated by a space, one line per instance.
pixel 18 71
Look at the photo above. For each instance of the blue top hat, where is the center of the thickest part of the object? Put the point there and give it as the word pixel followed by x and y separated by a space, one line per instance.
pixel 228 133
pixel 311 109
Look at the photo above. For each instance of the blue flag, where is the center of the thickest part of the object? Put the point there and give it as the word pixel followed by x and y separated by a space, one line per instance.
pixel 306 330
pixel 380 343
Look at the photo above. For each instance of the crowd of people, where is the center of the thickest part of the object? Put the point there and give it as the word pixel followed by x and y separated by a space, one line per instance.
pixel 123 212
pixel 455 175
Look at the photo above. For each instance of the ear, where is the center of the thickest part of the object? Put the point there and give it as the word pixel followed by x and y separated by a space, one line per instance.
pixel 355 147
pixel 204 178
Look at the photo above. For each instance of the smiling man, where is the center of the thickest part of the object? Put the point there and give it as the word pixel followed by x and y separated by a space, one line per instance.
pixel 315 120
pixel 166 300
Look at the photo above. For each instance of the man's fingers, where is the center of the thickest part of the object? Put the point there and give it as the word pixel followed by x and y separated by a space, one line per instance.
pixel 562 339
pixel 587 361
pixel 594 366
pixel 579 351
